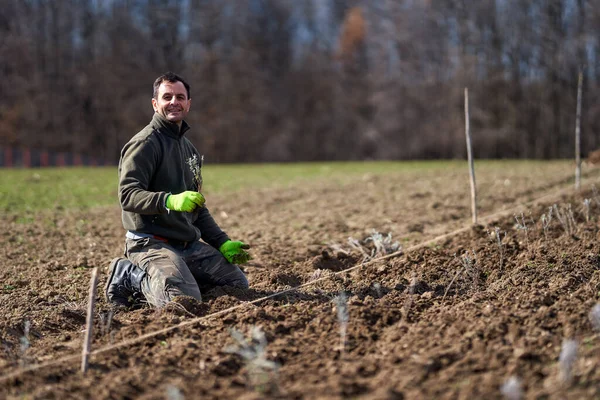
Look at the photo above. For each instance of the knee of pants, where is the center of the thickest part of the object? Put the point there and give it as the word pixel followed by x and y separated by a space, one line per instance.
pixel 240 281
pixel 160 291
pixel 167 279
pixel 177 287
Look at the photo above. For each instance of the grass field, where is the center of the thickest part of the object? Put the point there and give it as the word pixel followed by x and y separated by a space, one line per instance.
pixel 55 189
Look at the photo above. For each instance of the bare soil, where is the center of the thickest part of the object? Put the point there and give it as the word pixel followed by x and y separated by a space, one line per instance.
pixel 426 323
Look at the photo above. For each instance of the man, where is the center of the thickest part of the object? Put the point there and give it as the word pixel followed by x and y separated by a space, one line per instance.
pixel 164 214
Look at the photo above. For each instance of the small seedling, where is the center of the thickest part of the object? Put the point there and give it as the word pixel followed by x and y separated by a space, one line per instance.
pixel 355 245
pixel 566 360
pixel 317 274
pixel 383 245
pixel 377 288
pixel 253 352
pixel 522 225
pixel 174 393
pixel 451 282
pixel 586 209
pixel 511 389
pixel 571 216
pixel 337 248
pixel 546 220
pixel 595 317
pixel 342 316
pixel 195 168
pixel 470 266
pixel 106 321
pixel 8 288
pixel 566 219
pixel 411 291
pixel 499 241
pixel 24 341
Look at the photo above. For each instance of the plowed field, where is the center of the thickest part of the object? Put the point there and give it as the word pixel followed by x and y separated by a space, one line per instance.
pixel 452 318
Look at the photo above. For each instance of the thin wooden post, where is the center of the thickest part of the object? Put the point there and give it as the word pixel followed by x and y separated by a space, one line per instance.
pixel 87 343
pixel 578 132
pixel 470 156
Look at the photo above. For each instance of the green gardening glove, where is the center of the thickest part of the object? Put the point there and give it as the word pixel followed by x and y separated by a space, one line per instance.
pixel 186 201
pixel 235 252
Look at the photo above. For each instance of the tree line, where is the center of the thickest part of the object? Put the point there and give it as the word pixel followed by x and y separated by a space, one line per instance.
pixel 303 80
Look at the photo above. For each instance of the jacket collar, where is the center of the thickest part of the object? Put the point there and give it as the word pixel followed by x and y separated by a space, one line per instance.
pixel 169 128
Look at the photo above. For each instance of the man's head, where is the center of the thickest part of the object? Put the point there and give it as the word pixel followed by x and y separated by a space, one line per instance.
pixel 171 97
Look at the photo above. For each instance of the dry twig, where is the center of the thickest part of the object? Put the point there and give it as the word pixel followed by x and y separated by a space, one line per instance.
pixel 87 343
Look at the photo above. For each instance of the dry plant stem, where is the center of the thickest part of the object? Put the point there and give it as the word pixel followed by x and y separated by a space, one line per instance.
pixel 566 218
pixel 470 156
pixel 342 314
pixel 546 220
pixel 566 361
pixel 411 291
pixel 87 343
pixel 470 265
pixel 522 225
pixel 199 181
pixel 594 317
pixel 106 321
pixel 571 218
pixel 253 352
pixel 586 209
pixel 25 343
pixel 500 246
pixel 451 282
pixel 355 244
pixel 511 389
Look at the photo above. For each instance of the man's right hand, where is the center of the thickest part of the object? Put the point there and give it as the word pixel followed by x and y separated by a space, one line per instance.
pixel 186 201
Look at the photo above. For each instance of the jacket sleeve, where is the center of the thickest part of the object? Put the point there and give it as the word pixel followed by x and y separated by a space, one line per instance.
pixel 211 232
pixel 139 160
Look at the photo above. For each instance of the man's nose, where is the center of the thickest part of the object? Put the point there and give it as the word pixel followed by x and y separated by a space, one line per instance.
pixel 174 100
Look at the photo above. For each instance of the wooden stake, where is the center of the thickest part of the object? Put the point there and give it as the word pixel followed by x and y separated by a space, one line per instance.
pixel 470 156
pixel 578 132
pixel 87 343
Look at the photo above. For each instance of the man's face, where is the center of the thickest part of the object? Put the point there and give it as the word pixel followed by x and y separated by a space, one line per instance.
pixel 172 102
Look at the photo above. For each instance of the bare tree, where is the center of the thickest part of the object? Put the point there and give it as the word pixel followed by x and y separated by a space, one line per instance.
pixel 283 80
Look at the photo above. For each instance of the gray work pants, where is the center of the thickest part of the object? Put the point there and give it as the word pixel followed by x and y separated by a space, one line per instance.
pixel 175 269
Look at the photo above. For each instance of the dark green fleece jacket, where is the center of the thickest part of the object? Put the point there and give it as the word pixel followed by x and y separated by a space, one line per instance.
pixel 153 164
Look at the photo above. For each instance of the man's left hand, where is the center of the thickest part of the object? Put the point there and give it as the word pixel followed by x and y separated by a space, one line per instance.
pixel 235 252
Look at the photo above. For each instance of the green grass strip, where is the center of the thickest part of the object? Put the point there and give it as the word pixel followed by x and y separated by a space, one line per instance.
pixel 55 189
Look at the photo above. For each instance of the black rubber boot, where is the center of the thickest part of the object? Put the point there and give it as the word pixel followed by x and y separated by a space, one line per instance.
pixel 123 287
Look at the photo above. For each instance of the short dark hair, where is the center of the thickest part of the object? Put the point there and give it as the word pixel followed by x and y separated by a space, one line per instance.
pixel 169 77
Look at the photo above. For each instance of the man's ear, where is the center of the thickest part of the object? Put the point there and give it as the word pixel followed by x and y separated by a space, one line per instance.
pixel 154 104
pixel 189 105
